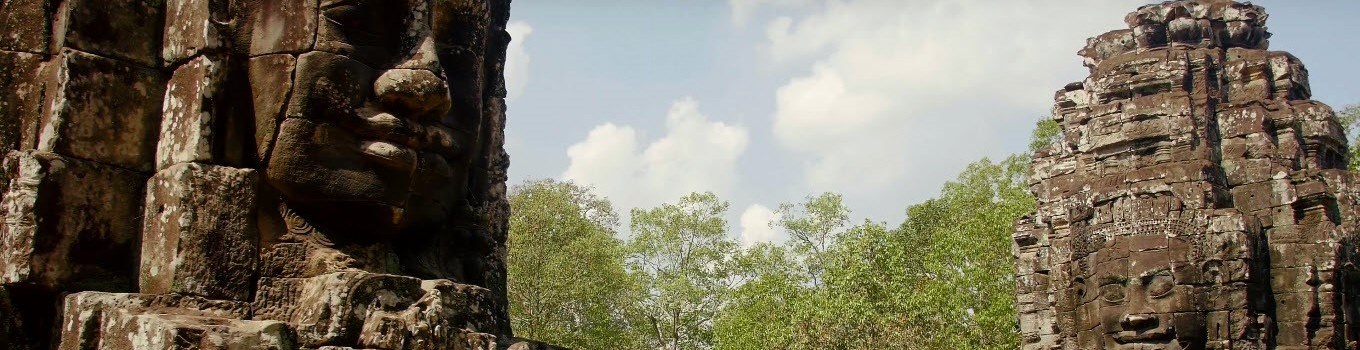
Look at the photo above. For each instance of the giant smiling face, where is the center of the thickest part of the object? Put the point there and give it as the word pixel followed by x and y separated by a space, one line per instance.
pixel 384 115
pixel 1139 304
pixel 1141 286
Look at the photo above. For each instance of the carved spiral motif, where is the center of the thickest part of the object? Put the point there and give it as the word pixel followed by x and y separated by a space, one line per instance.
pixel 295 223
pixel 298 227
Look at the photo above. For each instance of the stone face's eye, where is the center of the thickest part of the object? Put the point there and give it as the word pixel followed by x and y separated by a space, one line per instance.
pixel 369 31
pixel 365 24
pixel 1112 292
pixel 1160 284
pixel 1078 288
pixel 343 13
pixel 340 12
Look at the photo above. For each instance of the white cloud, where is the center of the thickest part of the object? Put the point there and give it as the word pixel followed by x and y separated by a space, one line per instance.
pixel 894 97
pixel 755 225
pixel 517 59
pixel 696 154
pixel 743 9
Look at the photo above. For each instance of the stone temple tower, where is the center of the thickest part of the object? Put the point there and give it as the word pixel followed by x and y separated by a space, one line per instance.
pixel 253 174
pixel 1197 199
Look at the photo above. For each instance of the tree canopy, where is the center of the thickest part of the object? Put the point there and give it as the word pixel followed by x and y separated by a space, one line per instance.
pixel 567 283
pixel 940 279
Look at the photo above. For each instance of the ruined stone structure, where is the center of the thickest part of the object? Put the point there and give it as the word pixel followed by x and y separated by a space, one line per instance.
pixel 1197 198
pixel 253 174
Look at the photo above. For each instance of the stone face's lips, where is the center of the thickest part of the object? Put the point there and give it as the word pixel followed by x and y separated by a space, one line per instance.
pixel 384 126
pixel 389 153
pixel 1166 346
pixel 417 136
pixel 1156 336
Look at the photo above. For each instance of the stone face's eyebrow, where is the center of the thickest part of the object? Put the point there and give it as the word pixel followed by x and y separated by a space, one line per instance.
pixel 1157 272
pixel 328 4
pixel 1154 273
pixel 1111 279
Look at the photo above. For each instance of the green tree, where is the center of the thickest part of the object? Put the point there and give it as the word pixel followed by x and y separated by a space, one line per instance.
pixel 681 253
pixel 770 289
pixel 940 280
pixel 1046 132
pixel 1349 117
pixel 960 242
pixel 952 277
pixel 860 297
pixel 813 228
pixel 828 309
pixel 827 287
pixel 567 284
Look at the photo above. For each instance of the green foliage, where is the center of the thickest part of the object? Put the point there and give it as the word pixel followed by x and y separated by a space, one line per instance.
pixel 942 279
pixel 857 307
pixel 1046 131
pixel 680 252
pixel 961 242
pixel 770 289
pixel 1349 117
pixel 812 227
pixel 567 283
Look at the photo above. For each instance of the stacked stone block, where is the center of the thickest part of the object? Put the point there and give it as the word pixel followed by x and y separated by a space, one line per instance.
pixel 78 121
pixel 160 189
pixel 1189 123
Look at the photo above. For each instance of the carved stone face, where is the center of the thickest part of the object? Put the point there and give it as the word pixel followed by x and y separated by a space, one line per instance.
pixel 384 115
pixel 1136 301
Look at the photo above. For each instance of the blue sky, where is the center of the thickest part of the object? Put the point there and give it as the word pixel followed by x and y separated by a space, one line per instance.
pixel 769 101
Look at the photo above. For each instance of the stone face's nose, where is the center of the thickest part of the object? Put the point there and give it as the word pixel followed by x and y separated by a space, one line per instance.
pixel 413 93
pixel 1138 322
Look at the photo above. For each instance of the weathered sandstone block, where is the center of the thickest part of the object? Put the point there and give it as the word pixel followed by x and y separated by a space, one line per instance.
pixel 94 320
pixel 277 26
pixel 271 81
pixel 193 27
pixel 21 105
pixel 196 239
pixel 372 310
pixel 103 110
pixel 26 25
pixel 190 111
pixel 324 174
pixel 69 224
pixel 125 30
